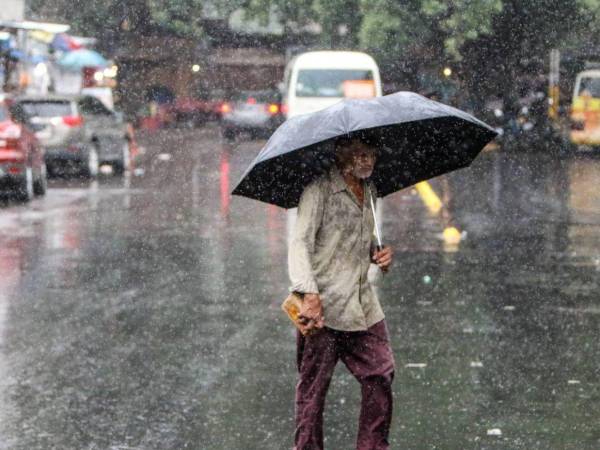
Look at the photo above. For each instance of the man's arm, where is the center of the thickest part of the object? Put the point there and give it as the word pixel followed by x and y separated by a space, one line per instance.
pixel 300 254
pixel 302 245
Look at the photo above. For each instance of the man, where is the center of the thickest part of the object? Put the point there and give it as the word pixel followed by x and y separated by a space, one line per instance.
pixel 329 257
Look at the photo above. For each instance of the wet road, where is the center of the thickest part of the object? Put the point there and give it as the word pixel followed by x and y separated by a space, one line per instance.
pixel 142 312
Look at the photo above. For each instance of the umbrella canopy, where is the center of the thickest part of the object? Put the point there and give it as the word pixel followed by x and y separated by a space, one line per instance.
pixel 65 43
pixel 417 139
pixel 78 59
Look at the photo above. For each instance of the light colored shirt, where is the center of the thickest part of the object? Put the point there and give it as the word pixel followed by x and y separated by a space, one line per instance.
pixel 330 252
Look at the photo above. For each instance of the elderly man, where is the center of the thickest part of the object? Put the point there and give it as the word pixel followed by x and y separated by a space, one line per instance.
pixel 329 257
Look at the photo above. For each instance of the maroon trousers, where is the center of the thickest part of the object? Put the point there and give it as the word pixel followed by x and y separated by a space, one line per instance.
pixel 368 356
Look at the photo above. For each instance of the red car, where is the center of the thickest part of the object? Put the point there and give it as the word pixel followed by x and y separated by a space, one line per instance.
pixel 22 167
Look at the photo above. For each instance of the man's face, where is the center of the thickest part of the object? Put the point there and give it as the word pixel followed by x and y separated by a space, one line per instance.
pixel 359 159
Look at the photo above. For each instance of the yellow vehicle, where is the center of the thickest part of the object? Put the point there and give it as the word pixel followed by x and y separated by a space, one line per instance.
pixel 585 109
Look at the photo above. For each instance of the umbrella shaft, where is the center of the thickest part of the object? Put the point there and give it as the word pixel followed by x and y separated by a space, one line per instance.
pixel 377 233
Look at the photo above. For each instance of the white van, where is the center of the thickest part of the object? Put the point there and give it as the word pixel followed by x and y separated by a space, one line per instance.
pixel 316 80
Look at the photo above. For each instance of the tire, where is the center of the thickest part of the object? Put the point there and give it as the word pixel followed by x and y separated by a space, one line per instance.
pixel 124 164
pixel 40 186
pixel 24 192
pixel 90 165
pixel 228 134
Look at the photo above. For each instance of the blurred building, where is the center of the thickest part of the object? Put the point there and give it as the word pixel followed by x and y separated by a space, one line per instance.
pixel 234 54
pixel 12 10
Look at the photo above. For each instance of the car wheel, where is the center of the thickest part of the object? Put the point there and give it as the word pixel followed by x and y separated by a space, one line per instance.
pixel 89 166
pixel 24 192
pixel 124 164
pixel 228 134
pixel 41 184
pixel 50 170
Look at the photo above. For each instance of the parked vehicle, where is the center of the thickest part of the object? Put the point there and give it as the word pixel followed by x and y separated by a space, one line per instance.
pixel 195 111
pixel 22 168
pixel 585 110
pixel 256 112
pixel 79 133
pixel 316 80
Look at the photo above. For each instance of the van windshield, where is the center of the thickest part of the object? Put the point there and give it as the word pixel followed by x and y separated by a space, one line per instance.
pixel 328 82
pixel 590 86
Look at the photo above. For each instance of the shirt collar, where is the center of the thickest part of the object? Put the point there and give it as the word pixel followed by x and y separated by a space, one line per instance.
pixel 338 183
pixel 337 180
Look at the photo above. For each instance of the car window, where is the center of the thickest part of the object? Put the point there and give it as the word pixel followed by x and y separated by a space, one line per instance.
pixel 47 108
pixel 3 113
pixel 590 86
pixel 93 106
pixel 259 96
pixel 327 82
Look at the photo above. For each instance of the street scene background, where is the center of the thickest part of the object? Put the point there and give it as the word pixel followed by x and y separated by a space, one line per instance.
pixel 140 301
pixel 131 326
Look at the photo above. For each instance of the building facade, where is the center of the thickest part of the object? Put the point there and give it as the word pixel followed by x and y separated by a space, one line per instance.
pixel 12 10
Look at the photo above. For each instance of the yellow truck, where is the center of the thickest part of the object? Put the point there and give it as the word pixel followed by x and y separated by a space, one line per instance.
pixel 585 110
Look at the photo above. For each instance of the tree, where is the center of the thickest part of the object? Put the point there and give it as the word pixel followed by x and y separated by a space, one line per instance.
pixel 102 18
pixel 520 40
pixel 339 20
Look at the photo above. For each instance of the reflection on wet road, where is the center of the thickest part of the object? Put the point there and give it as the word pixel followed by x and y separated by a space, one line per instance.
pixel 143 312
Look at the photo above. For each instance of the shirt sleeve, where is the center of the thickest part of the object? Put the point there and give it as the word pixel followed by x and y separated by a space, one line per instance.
pixel 302 245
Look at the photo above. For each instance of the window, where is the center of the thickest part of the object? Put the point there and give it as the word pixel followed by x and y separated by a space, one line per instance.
pixel 259 96
pixel 327 82
pixel 46 108
pixel 591 85
pixel 93 107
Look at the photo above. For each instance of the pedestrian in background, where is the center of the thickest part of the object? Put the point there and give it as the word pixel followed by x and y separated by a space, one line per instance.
pixel 329 258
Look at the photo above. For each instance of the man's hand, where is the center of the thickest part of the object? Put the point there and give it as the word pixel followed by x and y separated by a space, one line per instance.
pixel 383 258
pixel 311 314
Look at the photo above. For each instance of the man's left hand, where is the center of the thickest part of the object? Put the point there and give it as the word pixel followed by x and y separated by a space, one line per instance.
pixel 383 258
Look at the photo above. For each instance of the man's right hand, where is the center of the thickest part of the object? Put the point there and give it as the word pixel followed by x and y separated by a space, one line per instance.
pixel 311 314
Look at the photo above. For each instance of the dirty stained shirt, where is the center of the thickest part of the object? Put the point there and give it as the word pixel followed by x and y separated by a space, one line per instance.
pixel 330 252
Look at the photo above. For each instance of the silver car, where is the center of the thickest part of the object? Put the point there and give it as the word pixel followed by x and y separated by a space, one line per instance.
pixel 258 113
pixel 78 133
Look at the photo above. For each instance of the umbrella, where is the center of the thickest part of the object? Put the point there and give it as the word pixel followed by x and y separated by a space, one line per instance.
pixel 417 139
pixel 78 59
pixel 65 43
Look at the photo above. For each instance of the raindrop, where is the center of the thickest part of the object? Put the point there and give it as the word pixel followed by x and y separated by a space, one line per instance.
pixel 426 279
pixel 494 432
pixel 416 365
